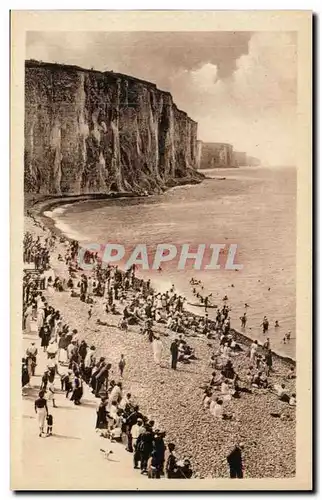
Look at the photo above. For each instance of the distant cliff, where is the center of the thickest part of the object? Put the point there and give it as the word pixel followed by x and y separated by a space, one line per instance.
pixel 215 155
pixel 93 132
pixel 240 158
pixel 222 155
pixel 243 160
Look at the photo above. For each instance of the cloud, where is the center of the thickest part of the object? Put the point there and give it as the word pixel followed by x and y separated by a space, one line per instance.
pixel 255 107
pixel 240 87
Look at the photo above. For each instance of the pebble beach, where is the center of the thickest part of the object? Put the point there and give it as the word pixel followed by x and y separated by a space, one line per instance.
pixel 174 398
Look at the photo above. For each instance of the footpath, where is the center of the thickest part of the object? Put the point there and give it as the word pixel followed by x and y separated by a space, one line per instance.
pixel 71 457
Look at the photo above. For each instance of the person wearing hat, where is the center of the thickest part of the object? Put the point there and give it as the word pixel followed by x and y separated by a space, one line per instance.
pixel 159 452
pixel 171 463
pixel 44 334
pixel 31 356
pixel 145 447
pixel 235 462
pixel 131 420
pixel 72 350
pixel 174 349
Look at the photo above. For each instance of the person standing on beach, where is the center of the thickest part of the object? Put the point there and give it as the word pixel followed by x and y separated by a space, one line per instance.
pixel 122 365
pixel 174 349
pixel 145 446
pixel 44 334
pixel 235 462
pixel 157 350
pixel 89 363
pixel 51 391
pixel 253 350
pixel 41 410
pixel 171 462
pixel 25 379
pixel 269 362
pixel 136 430
pixel 31 356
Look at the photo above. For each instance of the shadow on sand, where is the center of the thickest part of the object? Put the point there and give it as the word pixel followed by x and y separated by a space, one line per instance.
pixel 62 436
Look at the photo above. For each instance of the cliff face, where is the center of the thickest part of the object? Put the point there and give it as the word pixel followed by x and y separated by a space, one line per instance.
pixel 240 158
pixel 216 155
pixel 92 132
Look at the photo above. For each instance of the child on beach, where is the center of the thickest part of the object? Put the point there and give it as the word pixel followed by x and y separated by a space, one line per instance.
pixel 122 365
pixel 49 425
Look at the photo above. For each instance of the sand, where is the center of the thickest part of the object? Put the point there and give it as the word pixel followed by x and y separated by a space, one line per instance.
pixel 174 399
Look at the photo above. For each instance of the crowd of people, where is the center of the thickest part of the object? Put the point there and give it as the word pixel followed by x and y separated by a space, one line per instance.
pixel 135 302
pixel 76 363
pixel 227 382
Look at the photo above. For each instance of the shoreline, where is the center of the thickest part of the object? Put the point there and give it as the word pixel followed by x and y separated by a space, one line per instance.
pixel 49 203
pixel 174 399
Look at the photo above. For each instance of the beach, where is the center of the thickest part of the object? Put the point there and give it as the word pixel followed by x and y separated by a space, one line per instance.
pixel 251 208
pixel 174 399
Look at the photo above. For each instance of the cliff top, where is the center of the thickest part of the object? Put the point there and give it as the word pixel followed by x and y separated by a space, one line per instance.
pixel 32 63
pixel 216 143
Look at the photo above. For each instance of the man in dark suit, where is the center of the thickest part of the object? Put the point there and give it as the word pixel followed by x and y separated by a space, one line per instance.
pixel 174 349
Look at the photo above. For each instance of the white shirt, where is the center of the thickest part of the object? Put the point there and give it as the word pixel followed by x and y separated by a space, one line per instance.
pixel 279 390
pixel 52 348
pixel 224 388
pixel 88 359
pixel 113 412
pixel 116 392
pixel 254 347
pixel 136 430
pixel 216 410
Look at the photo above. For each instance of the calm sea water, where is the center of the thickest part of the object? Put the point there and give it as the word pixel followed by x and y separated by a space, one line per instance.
pixel 254 208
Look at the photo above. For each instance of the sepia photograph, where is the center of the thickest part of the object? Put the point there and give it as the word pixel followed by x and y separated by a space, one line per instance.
pixel 161 273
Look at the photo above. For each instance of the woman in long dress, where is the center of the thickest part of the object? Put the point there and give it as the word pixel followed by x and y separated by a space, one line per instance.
pixel 78 390
pixel 28 317
pixel 101 419
pixel 253 350
pixel 52 349
pixel 157 350
pixel 41 410
pixel 40 317
pixel 44 334
pixel 62 349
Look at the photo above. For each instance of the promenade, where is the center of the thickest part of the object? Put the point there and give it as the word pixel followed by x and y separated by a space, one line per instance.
pixel 71 458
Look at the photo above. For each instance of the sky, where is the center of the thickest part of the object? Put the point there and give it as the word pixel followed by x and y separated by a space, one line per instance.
pixel 239 86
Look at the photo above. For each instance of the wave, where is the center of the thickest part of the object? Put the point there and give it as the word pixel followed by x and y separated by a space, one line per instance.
pixel 64 228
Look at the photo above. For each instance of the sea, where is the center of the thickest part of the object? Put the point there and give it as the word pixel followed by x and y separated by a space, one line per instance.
pixel 253 208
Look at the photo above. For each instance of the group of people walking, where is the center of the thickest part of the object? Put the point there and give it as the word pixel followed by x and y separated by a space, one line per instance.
pixel 75 363
pixel 136 303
